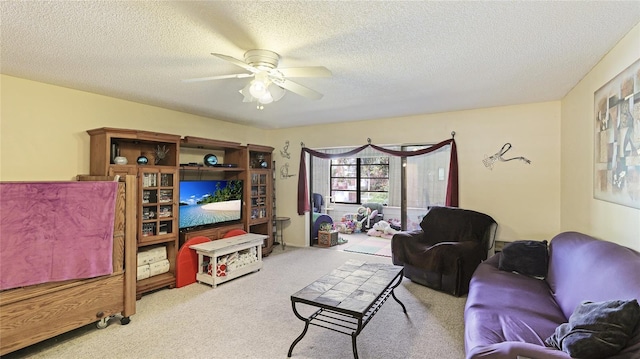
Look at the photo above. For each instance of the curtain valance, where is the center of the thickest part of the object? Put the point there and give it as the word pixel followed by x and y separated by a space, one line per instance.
pixel 452 182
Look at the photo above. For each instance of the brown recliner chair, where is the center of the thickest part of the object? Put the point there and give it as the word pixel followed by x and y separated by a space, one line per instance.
pixel 445 253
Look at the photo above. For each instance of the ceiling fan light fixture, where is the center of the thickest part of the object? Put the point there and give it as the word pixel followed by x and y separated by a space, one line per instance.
pixel 259 84
pixel 247 94
pixel 270 83
pixel 258 88
pixel 262 90
pixel 266 98
pixel 276 91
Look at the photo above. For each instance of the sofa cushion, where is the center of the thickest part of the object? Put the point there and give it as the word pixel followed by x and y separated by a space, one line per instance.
pixel 508 307
pixel 597 330
pixel 611 269
pixel 525 257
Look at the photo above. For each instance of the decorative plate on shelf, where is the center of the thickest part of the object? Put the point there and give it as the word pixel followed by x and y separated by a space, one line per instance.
pixel 210 160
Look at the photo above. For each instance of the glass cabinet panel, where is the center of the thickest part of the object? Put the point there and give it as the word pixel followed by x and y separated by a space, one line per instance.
pixel 158 210
pixel 259 198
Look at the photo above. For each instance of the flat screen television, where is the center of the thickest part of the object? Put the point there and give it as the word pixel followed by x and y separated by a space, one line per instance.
pixel 207 202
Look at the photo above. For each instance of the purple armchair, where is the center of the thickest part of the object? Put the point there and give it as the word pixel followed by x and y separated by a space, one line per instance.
pixel 446 251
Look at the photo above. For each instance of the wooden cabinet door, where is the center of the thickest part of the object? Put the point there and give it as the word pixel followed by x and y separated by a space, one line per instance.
pixel 158 210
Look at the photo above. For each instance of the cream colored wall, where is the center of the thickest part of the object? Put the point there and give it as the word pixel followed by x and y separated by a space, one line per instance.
pixel 524 199
pixel 579 210
pixel 42 137
pixel 43 128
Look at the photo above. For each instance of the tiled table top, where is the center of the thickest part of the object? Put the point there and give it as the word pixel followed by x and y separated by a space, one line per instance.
pixel 353 287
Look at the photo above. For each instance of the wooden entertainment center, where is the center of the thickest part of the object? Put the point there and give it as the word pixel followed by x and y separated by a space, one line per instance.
pixel 160 161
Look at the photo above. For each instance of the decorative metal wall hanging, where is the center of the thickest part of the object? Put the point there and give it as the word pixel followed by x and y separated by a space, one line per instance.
pixel 489 161
pixel 284 152
pixel 284 171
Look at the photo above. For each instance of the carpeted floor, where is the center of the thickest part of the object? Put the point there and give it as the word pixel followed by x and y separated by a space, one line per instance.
pixel 251 317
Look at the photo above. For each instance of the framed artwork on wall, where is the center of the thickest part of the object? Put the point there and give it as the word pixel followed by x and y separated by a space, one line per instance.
pixel 617 139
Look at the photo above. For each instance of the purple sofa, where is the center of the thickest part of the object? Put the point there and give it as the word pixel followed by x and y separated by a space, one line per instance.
pixel 509 316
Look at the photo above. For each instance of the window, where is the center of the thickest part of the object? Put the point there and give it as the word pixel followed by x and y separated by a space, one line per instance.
pixel 360 180
pixel 407 185
pixel 426 177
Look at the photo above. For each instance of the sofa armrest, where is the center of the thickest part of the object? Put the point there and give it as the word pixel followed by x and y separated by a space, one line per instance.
pixel 400 242
pixel 452 256
pixel 453 262
pixel 443 257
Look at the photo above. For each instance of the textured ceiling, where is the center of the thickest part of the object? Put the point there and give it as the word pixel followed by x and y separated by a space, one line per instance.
pixel 388 58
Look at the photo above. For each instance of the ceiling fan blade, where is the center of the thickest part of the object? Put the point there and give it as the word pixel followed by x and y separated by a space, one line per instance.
pixel 236 62
pixel 312 71
pixel 298 89
pixel 221 77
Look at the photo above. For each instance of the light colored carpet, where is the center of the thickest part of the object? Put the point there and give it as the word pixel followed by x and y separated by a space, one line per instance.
pixel 251 317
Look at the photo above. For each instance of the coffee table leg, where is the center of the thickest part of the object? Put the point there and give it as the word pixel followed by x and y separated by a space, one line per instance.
pixel 399 302
pixel 299 338
pixel 306 326
pixel 354 335
pixel 353 344
pixel 393 294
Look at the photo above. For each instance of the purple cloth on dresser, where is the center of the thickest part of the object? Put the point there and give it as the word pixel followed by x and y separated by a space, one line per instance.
pixel 55 231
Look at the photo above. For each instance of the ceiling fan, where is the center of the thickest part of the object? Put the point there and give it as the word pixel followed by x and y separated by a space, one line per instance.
pixel 270 82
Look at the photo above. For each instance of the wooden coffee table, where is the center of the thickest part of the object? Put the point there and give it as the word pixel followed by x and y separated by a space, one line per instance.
pixel 348 298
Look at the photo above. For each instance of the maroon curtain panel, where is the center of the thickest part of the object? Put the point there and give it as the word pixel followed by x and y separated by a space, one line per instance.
pixel 452 182
pixel 303 190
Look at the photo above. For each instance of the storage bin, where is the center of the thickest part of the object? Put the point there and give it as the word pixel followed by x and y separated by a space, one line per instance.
pixel 327 238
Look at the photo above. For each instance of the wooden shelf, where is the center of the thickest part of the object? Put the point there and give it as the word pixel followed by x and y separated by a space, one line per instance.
pixel 251 160
pixel 206 143
pixel 212 169
pixel 157 188
pixel 259 220
pixel 155 282
pixel 157 239
pixel 260 198
pixel 248 160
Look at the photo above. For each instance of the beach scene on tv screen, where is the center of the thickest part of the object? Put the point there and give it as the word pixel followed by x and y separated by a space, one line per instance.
pixel 209 202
